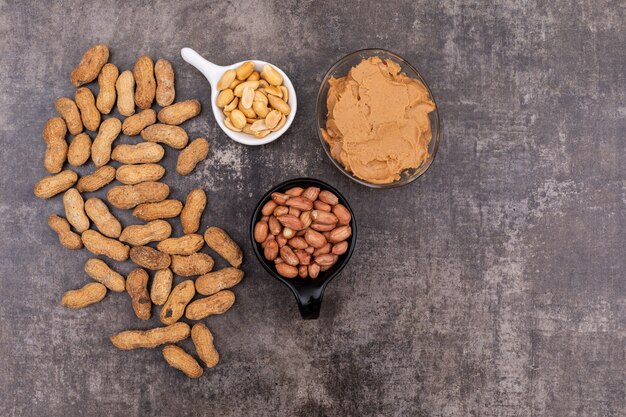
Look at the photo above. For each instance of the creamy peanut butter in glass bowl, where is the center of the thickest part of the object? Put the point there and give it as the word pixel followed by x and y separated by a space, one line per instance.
pixel 383 131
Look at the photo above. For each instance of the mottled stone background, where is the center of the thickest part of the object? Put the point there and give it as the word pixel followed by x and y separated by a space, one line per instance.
pixel 492 286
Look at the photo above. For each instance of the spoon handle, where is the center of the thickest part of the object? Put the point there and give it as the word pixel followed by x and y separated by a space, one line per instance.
pixel 310 301
pixel 211 71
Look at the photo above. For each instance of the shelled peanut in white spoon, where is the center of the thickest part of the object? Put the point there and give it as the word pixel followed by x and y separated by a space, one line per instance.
pixel 253 102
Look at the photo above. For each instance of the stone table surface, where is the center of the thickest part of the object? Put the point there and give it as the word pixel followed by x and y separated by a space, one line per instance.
pixel 492 286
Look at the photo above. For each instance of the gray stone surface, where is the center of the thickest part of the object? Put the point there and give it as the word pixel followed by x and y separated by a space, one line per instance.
pixel 492 286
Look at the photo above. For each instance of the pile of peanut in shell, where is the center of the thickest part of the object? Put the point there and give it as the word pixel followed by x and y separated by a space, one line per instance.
pixel 255 103
pixel 90 223
pixel 303 231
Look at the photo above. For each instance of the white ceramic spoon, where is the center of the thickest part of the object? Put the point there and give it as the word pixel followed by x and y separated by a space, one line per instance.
pixel 214 72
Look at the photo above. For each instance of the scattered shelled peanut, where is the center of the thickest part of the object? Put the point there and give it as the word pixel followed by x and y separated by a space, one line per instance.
pixel 90 223
pixel 303 231
pixel 256 103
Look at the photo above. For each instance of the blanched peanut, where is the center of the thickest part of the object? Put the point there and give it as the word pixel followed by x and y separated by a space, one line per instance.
pixel 244 70
pixel 270 75
pixel 224 98
pixel 279 104
pixel 227 78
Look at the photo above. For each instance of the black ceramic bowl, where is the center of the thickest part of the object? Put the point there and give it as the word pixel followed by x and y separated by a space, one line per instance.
pixel 308 291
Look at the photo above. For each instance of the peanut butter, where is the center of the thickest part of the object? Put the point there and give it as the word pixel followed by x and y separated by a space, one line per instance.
pixel 377 123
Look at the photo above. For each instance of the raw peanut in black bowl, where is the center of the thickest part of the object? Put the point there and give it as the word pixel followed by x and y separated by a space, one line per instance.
pixel 303 232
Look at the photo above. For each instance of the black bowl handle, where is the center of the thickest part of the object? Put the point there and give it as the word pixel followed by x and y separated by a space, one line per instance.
pixel 309 301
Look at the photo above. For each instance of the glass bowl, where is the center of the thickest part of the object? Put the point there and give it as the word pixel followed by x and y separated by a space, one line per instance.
pixel 340 69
